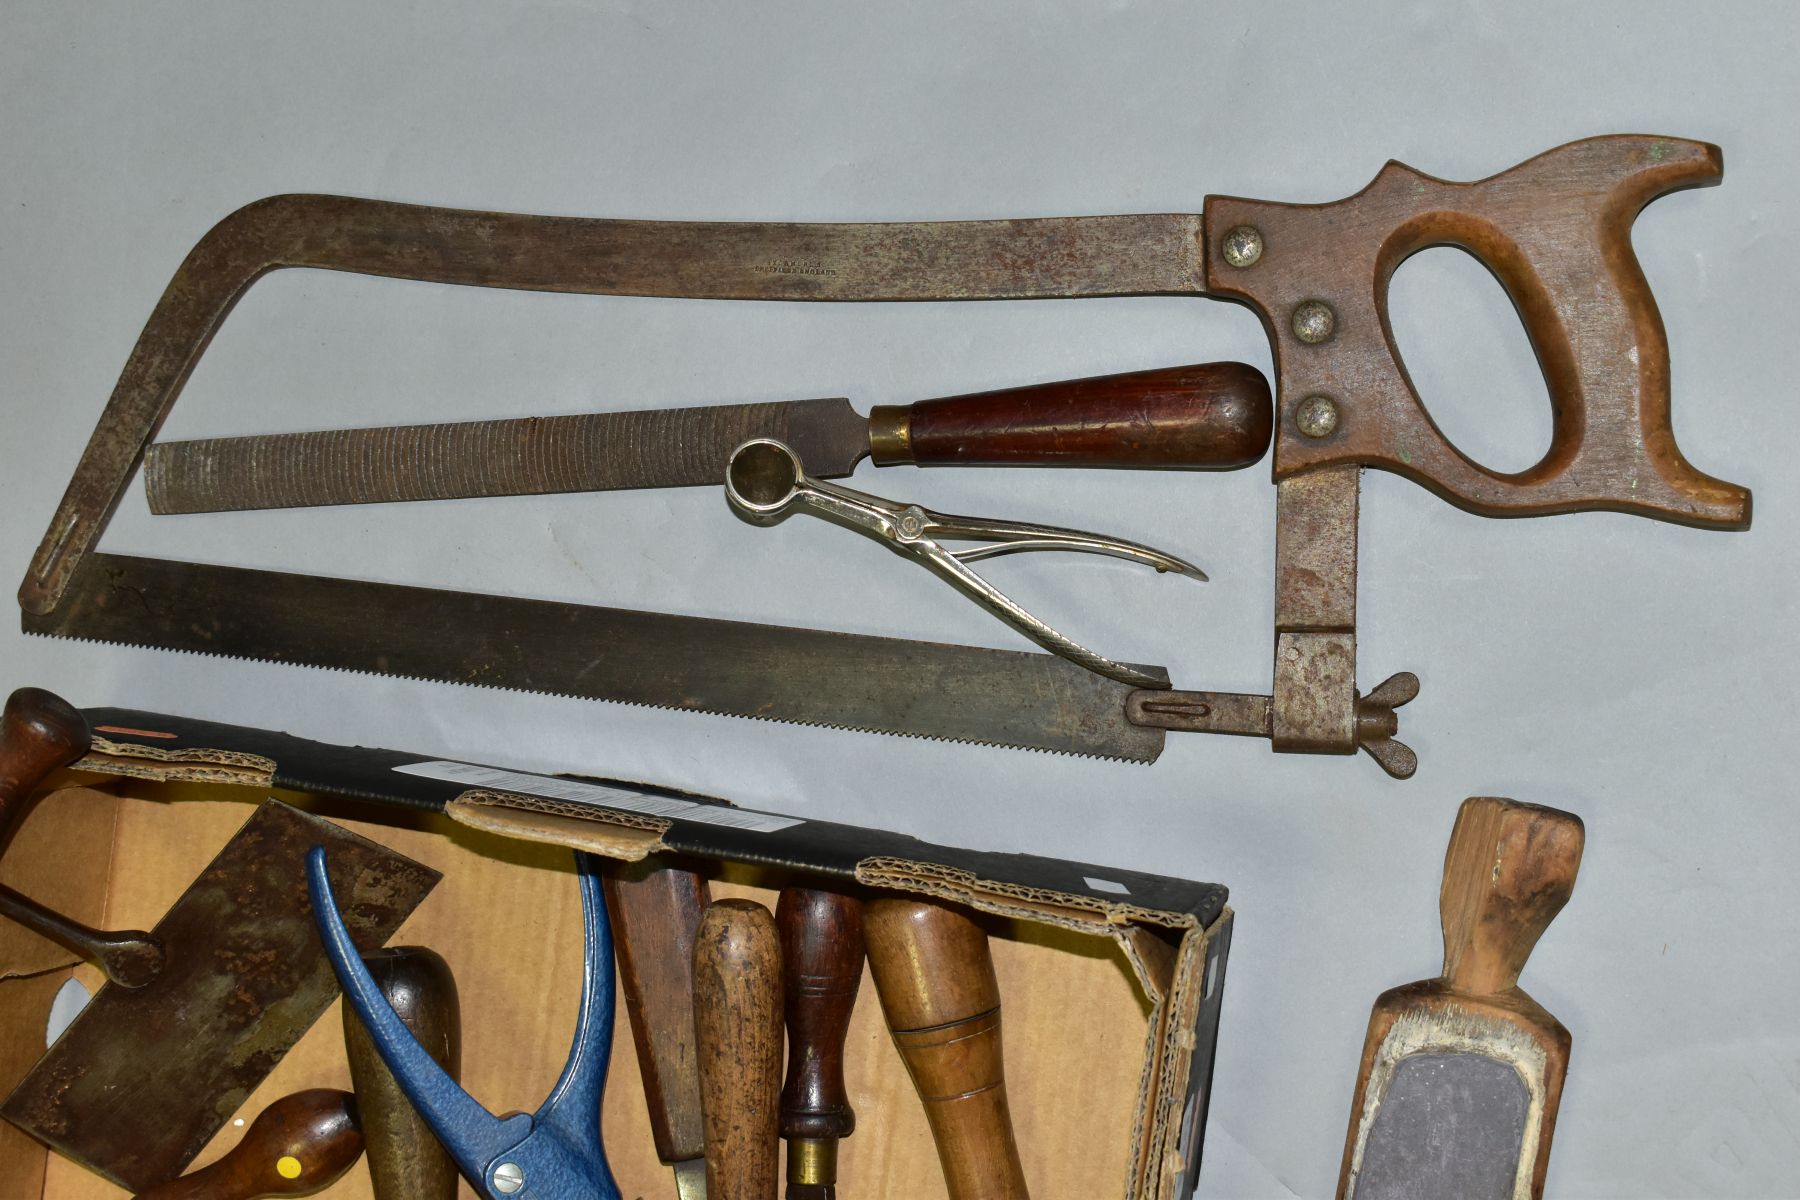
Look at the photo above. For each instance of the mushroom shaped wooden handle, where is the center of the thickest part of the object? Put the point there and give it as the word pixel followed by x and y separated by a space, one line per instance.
pixel 406 1160
pixel 39 732
pixel 297 1146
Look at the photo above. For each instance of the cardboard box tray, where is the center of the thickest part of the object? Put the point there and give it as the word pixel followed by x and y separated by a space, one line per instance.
pixel 1111 979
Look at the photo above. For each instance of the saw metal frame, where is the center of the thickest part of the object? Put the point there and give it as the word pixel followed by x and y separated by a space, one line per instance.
pixel 1555 231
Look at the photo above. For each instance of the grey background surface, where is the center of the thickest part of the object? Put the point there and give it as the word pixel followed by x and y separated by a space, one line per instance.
pixel 1635 672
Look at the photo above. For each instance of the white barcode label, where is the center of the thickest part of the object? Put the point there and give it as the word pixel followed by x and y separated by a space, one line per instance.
pixel 576 792
pixel 743 818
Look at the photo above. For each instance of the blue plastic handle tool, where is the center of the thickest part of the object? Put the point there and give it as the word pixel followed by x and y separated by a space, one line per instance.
pixel 554 1154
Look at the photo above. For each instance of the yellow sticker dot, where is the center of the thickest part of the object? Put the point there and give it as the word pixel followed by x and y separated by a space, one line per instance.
pixel 288 1167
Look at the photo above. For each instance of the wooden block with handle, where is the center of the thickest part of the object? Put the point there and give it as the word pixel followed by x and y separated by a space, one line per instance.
pixel 1462 1075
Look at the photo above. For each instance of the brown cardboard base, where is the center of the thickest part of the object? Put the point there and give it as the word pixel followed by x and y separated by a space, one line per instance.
pixel 507 917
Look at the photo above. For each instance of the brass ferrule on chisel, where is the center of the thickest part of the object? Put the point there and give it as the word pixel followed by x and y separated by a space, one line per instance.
pixel 811 1167
pixel 890 435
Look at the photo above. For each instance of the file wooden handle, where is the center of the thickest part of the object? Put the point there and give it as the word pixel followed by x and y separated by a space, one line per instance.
pixel 1211 415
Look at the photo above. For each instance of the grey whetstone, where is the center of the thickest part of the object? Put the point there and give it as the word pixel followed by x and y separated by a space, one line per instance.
pixel 1451 1125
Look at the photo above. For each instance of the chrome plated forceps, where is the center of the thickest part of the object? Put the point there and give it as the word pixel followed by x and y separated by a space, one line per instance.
pixel 765 481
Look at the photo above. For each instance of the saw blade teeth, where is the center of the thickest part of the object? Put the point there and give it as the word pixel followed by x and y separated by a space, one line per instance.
pixel 496 687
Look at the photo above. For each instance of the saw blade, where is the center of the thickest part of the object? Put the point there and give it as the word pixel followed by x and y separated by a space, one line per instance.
pixel 732 668
pixel 586 452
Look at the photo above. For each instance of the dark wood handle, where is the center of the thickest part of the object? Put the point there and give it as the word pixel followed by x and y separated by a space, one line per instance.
pixel 406 1161
pixel 655 912
pixel 1508 872
pixel 39 732
pixel 737 1027
pixel 1214 415
pixel 298 1145
pixel 936 981
pixel 822 966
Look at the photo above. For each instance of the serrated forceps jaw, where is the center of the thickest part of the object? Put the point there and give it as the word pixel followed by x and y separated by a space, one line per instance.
pixel 765 481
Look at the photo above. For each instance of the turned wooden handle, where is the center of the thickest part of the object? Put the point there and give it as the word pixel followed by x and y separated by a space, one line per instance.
pixel 936 981
pixel 655 913
pixel 300 1144
pixel 406 1161
pixel 822 965
pixel 1508 872
pixel 39 732
pixel 737 1028
pixel 1213 415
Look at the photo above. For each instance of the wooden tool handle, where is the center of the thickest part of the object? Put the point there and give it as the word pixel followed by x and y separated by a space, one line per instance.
pixel 1556 233
pixel 822 965
pixel 936 981
pixel 406 1161
pixel 300 1144
pixel 39 732
pixel 1215 415
pixel 737 1028
pixel 655 913
pixel 1508 872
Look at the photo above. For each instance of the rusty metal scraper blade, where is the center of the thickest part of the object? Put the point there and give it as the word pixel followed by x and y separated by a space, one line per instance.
pixel 804 676
pixel 144 1077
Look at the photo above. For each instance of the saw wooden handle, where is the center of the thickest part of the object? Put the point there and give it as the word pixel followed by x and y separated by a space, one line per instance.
pixel 1213 415
pixel 737 1028
pixel 39 732
pixel 938 990
pixel 406 1160
pixel 298 1145
pixel 822 965
pixel 1556 233
pixel 1509 870
pixel 655 912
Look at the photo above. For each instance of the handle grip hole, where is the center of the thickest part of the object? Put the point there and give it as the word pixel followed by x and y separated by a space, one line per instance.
pixel 1469 358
